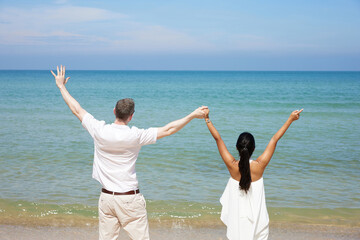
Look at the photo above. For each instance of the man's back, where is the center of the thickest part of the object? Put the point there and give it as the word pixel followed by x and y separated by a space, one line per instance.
pixel 116 149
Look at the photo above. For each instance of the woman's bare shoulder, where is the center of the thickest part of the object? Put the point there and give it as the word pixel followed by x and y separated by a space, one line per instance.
pixel 256 170
pixel 234 170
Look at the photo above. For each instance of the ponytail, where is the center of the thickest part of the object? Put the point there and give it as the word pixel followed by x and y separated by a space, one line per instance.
pixel 245 145
pixel 244 168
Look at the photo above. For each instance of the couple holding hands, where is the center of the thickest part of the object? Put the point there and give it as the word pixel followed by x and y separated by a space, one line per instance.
pixel 116 149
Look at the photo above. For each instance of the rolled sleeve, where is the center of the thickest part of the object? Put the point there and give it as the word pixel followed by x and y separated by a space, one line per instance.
pixel 91 124
pixel 147 136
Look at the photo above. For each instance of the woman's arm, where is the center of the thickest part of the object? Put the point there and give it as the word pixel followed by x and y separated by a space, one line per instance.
pixel 225 155
pixel 264 159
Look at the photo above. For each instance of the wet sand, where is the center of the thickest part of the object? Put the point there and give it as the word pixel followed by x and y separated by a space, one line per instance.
pixel 277 232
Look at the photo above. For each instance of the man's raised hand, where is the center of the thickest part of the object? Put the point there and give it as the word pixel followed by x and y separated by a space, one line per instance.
pixel 60 77
pixel 199 112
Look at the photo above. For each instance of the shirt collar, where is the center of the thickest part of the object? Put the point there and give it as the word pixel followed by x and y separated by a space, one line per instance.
pixel 119 126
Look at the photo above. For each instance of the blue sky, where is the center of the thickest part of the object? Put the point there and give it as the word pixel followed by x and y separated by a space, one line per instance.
pixel 180 35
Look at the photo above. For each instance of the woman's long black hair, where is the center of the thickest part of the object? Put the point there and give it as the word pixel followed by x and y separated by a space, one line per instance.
pixel 245 145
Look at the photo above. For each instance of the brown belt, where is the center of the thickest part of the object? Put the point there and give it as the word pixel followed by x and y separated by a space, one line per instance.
pixel 120 193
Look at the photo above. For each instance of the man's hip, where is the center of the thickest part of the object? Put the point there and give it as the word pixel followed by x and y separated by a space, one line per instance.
pixel 123 210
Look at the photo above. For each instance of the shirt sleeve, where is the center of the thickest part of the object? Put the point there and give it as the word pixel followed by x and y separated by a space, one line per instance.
pixel 91 124
pixel 147 136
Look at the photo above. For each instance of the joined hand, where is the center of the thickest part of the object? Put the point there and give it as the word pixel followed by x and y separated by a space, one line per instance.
pixel 200 112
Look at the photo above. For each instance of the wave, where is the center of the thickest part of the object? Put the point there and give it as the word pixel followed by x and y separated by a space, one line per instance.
pixel 164 214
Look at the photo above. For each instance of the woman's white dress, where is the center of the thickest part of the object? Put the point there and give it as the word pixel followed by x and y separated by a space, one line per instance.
pixel 245 214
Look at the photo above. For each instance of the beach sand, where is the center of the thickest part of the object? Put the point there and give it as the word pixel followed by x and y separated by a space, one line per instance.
pixel 277 232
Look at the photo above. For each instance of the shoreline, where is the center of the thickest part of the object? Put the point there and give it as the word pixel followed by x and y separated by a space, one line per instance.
pixel 164 214
pixel 277 231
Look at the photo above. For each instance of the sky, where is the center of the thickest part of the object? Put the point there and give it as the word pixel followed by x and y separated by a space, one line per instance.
pixel 279 35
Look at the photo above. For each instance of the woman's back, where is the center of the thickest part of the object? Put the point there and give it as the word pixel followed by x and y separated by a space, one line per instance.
pixel 256 171
pixel 245 213
pixel 244 209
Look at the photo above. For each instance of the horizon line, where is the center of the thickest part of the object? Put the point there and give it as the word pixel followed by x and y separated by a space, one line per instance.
pixel 184 70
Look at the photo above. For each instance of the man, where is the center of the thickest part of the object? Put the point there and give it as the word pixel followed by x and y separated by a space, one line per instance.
pixel 116 148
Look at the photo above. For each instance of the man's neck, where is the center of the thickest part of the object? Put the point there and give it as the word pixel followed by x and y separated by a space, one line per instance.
pixel 120 122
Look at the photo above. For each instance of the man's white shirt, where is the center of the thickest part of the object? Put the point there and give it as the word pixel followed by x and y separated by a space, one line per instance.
pixel 116 149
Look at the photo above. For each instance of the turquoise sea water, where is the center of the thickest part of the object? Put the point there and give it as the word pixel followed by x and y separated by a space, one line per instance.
pixel 46 155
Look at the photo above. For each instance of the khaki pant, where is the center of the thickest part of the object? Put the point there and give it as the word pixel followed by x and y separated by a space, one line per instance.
pixel 127 211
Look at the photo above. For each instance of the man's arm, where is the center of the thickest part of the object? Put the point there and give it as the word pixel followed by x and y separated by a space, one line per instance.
pixel 175 126
pixel 74 106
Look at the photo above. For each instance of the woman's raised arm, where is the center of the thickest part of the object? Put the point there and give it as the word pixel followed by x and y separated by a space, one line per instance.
pixel 264 159
pixel 224 153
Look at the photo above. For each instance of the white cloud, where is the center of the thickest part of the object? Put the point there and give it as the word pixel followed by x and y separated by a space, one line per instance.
pixel 158 38
pixel 61 1
pixel 34 26
pixel 72 29
pixel 87 29
pixel 248 42
pixel 56 15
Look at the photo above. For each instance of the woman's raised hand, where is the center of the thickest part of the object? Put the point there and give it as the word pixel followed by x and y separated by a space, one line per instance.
pixel 206 111
pixel 295 115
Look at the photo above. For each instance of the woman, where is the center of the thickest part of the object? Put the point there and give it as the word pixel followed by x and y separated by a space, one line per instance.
pixel 243 201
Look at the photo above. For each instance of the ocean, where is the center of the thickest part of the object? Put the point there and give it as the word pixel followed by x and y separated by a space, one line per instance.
pixel 46 155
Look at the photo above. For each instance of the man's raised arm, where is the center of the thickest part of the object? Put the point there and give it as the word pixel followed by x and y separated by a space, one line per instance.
pixel 74 106
pixel 175 126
